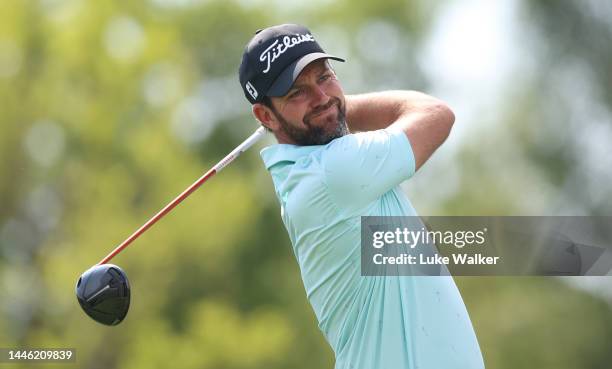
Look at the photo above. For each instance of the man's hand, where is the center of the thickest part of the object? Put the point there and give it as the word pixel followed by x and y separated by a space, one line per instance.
pixel 425 120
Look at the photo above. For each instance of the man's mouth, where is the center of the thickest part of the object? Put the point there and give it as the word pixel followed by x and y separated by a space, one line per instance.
pixel 332 106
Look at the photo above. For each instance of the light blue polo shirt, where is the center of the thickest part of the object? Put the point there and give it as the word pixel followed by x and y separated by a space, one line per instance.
pixel 385 322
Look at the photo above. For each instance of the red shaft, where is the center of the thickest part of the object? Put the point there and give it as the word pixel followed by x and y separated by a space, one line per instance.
pixel 159 215
pixel 217 168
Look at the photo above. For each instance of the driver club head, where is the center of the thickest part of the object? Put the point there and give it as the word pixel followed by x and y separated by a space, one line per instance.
pixel 103 292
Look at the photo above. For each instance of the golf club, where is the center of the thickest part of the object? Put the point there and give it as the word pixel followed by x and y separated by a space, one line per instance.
pixel 103 291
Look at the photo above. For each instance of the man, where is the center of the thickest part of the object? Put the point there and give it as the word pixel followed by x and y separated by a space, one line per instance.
pixel 326 177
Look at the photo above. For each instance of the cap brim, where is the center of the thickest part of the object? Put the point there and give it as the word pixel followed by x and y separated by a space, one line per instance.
pixel 285 80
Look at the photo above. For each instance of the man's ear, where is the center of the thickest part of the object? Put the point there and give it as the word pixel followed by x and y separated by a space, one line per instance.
pixel 265 116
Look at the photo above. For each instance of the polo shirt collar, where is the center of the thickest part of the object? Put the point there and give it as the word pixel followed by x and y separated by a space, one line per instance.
pixel 277 153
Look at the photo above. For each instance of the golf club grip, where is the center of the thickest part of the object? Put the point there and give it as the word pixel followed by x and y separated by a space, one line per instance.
pixel 217 168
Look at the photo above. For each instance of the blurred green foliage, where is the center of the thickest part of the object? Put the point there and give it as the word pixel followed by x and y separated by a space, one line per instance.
pixel 108 109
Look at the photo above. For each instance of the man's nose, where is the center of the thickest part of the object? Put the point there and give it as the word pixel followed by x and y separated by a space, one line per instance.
pixel 319 96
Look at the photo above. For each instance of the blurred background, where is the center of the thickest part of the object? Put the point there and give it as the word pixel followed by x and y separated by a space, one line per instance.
pixel 109 109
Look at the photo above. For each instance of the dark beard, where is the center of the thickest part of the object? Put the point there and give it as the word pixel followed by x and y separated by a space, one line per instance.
pixel 316 135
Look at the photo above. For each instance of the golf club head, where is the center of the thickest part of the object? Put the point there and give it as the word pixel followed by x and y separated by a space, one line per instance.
pixel 103 292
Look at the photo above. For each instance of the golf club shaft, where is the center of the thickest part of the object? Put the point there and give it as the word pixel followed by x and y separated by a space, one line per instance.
pixel 217 168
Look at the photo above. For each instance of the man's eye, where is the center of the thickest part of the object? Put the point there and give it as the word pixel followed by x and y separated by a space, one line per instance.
pixel 324 77
pixel 295 94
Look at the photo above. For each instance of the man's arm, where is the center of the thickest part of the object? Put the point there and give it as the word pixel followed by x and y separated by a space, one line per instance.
pixel 425 120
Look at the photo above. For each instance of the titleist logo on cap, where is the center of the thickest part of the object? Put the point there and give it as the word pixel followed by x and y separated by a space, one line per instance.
pixel 275 50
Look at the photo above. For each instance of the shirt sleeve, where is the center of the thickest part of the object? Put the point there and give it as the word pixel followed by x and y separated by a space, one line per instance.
pixel 361 167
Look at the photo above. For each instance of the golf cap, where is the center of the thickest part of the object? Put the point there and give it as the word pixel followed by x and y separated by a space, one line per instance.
pixel 274 58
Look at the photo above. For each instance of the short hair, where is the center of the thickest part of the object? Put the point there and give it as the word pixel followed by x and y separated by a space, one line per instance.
pixel 267 101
